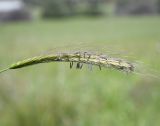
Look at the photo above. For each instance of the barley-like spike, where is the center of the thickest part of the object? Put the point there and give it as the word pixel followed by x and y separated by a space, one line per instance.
pixel 79 58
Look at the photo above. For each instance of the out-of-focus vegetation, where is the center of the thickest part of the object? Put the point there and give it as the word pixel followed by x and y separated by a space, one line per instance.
pixel 59 8
pixel 65 8
pixel 140 7
pixel 52 94
pixel 70 8
pixel 158 3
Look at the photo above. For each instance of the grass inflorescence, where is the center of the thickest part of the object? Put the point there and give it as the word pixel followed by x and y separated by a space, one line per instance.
pixel 79 58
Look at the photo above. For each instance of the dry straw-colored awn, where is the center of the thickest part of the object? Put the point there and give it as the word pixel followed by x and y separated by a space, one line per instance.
pixel 79 58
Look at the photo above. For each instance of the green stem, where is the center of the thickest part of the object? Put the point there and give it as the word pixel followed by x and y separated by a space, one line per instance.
pixel 4 70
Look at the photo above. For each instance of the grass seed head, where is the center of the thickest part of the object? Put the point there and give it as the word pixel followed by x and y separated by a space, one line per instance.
pixel 80 58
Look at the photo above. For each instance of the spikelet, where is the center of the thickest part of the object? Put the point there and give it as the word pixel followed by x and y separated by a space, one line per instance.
pixel 77 57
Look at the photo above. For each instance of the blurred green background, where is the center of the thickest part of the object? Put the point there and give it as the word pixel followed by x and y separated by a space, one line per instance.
pixel 53 95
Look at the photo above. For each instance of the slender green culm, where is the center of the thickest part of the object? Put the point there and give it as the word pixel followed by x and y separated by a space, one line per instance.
pixel 4 70
pixel 80 58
